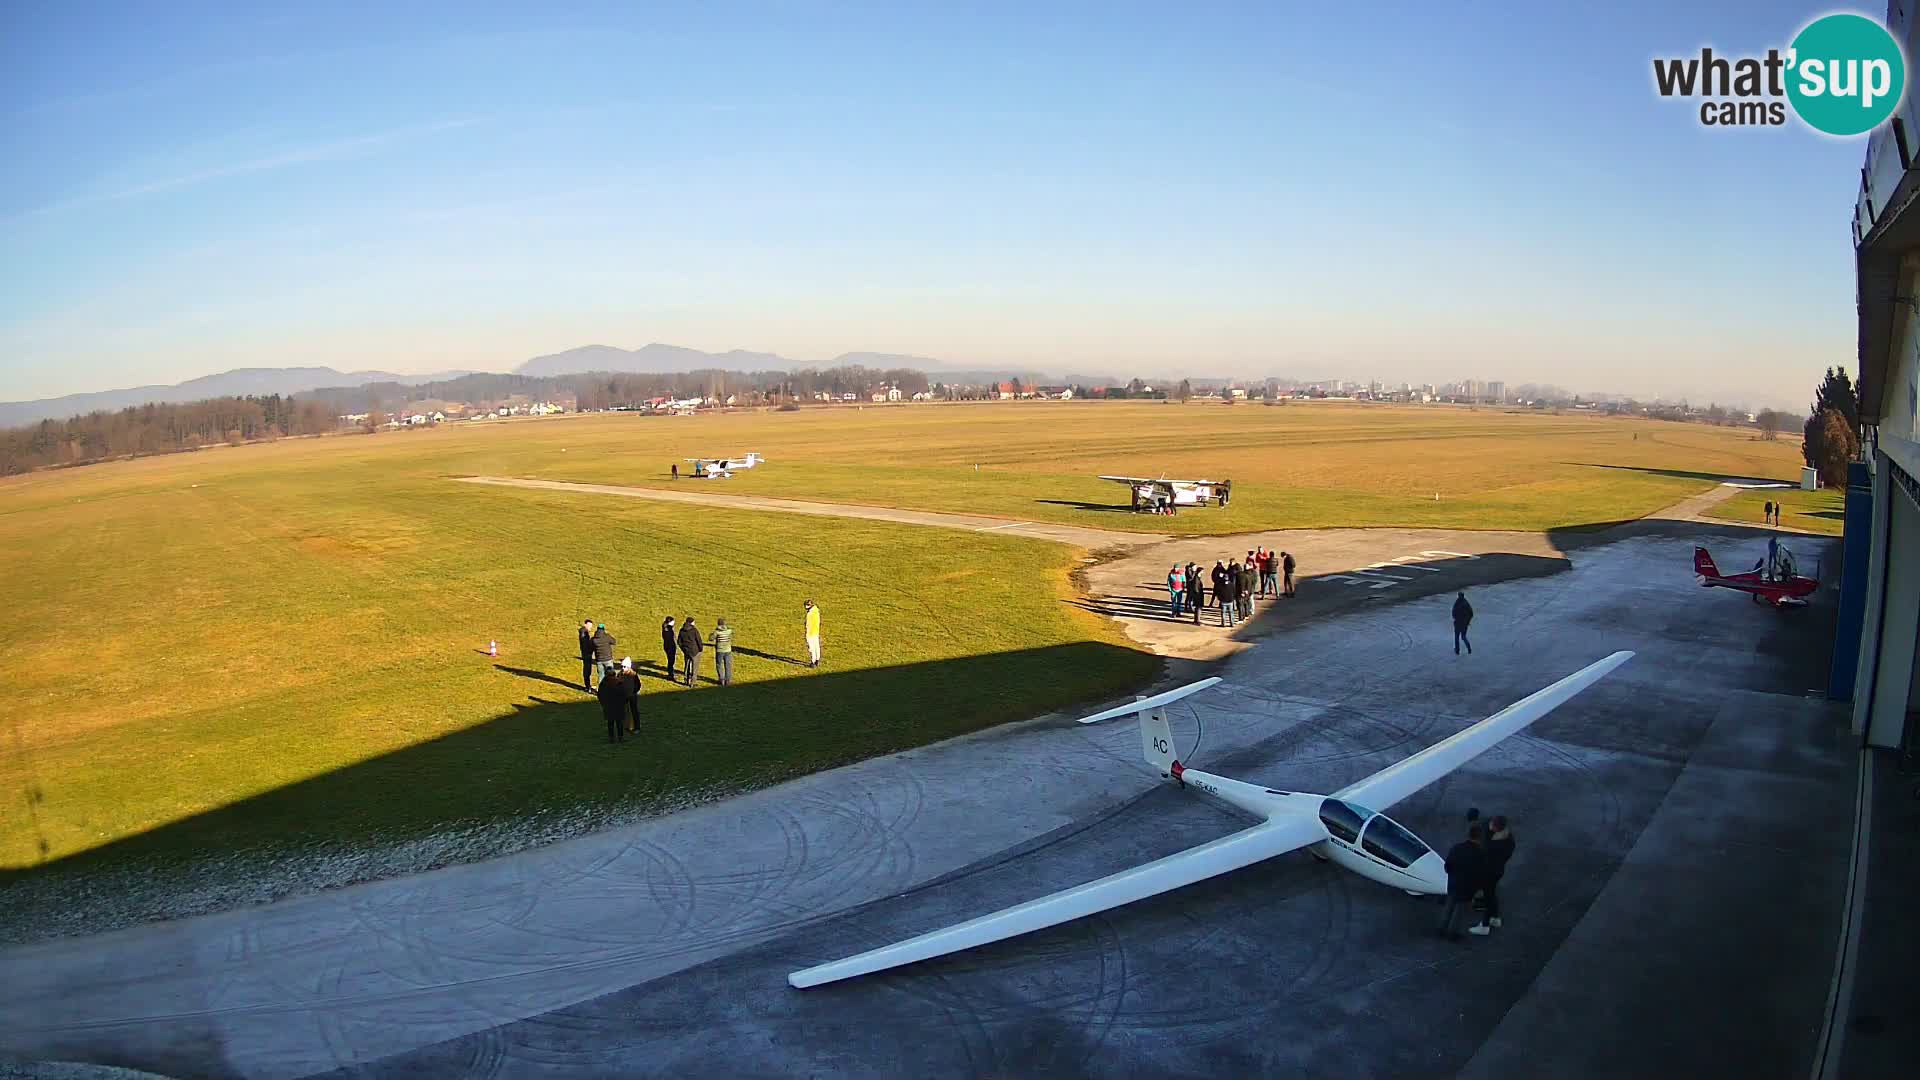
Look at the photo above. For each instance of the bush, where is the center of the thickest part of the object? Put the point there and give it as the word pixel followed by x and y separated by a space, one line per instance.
pixel 1829 443
pixel 791 406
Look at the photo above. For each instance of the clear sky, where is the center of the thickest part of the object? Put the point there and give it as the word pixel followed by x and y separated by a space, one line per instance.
pixel 1419 191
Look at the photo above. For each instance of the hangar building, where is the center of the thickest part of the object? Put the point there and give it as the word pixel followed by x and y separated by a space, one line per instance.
pixel 1883 500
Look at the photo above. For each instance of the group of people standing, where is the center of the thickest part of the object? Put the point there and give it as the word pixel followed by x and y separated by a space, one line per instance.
pixel 1474 869
pixel 1236 585
pixel 1772 512
pixel 687 644
pixel 619 683
pixel 619 690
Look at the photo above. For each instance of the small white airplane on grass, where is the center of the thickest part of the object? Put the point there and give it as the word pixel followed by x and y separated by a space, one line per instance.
pixel 721 468
pixel 1151 494
pixel 1340 827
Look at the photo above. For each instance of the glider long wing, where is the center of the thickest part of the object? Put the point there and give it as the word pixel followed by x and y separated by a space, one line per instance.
pixel 1396 782
pixel 1162 875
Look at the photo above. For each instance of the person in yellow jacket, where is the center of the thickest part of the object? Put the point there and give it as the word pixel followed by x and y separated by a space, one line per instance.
pixel 813 635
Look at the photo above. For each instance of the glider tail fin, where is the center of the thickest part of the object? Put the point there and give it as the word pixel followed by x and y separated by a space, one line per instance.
pixel 1703 563
pixel 1156 739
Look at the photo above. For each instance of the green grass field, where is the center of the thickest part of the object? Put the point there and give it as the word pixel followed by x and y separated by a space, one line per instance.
pixel 279 648
pixel 192 632
pixel 1294 466
pixel 1822 511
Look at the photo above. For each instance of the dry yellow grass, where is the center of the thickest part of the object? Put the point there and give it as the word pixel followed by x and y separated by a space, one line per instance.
pixel 1300 465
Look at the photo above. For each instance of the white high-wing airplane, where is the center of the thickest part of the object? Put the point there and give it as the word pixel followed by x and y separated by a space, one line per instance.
pixel 721 468
pixel 1150 493
pixel 1345 827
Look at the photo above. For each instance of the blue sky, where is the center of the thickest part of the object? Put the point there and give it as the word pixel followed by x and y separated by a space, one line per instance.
pixel 1417 191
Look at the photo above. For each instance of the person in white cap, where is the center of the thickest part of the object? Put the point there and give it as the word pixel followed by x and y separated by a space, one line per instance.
pixel 616 690
pixel 630 681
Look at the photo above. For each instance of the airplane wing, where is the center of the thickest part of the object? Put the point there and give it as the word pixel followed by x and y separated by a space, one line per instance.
pixel 1395 782
pixel 1151 879
pixel 1154 702
pixel 1129 479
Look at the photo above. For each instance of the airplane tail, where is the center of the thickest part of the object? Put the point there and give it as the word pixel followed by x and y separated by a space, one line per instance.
pixel 1703 563
pixel 1156 735
pixel 1156 740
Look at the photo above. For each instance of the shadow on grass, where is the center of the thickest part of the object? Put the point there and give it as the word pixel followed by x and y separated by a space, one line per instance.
pixel 1575 537
pixel 758 655
pixel 1682 474
pixel 1105 508
pixel 545 769
pixel 538 676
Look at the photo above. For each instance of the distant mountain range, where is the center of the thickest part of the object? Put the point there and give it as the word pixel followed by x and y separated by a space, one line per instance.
pixel 655 358
pixel 236 383
pixel 659 359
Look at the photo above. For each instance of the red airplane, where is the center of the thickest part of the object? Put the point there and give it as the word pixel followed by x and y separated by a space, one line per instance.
pixel 1772 580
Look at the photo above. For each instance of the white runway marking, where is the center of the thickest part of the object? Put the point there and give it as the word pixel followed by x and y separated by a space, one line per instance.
pixel 1406 562
pixel 1350 579
pixel 1373 575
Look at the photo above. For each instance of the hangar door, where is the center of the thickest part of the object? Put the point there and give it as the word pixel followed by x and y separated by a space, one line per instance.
pixel 1893 684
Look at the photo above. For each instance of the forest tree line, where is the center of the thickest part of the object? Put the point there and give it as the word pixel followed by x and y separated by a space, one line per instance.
pixel 161 429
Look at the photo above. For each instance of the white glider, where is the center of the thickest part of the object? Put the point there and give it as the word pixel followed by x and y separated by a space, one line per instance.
pixel 1338 827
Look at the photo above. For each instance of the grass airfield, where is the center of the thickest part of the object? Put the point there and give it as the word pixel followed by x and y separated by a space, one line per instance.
pixel 1822 511
pixel 281 649
pixel 277 652
pixel 1303 465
